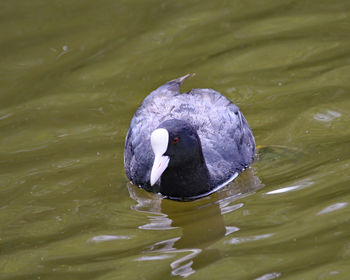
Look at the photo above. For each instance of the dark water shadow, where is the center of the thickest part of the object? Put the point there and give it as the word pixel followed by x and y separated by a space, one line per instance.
pixel 200 222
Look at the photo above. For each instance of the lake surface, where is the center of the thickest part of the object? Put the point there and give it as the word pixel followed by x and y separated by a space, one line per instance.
pixel 72 74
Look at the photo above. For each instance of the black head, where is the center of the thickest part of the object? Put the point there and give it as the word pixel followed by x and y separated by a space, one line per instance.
pixel 184 145
pixel 177 149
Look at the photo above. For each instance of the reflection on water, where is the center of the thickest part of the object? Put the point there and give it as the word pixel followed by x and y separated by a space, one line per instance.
pixel 201 223
pixel 299 185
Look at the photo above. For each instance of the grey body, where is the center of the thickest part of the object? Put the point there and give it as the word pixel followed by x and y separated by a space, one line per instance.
pixel 227 141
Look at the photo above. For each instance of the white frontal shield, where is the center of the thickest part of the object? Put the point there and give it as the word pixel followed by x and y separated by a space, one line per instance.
pixel 159 143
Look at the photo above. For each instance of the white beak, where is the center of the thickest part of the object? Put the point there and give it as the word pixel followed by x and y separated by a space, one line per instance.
pixel 159 143
pixel 159 165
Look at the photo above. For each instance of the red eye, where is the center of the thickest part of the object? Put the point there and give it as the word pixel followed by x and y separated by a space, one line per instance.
pixel 175 140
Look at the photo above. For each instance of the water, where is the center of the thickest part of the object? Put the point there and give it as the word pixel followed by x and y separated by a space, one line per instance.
pixel 73 73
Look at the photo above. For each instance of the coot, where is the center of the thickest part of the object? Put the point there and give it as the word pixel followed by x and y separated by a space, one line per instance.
pixel 186 146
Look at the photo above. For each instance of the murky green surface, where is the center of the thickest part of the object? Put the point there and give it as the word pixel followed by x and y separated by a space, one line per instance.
pixel 72 74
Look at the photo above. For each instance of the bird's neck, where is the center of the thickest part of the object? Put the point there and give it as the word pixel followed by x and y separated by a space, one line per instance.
pixel 187 180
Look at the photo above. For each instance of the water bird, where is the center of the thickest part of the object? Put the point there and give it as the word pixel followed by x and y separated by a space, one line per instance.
pixel 187 145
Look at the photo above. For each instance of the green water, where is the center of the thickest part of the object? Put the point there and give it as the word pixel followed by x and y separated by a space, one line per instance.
pixel 72 74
